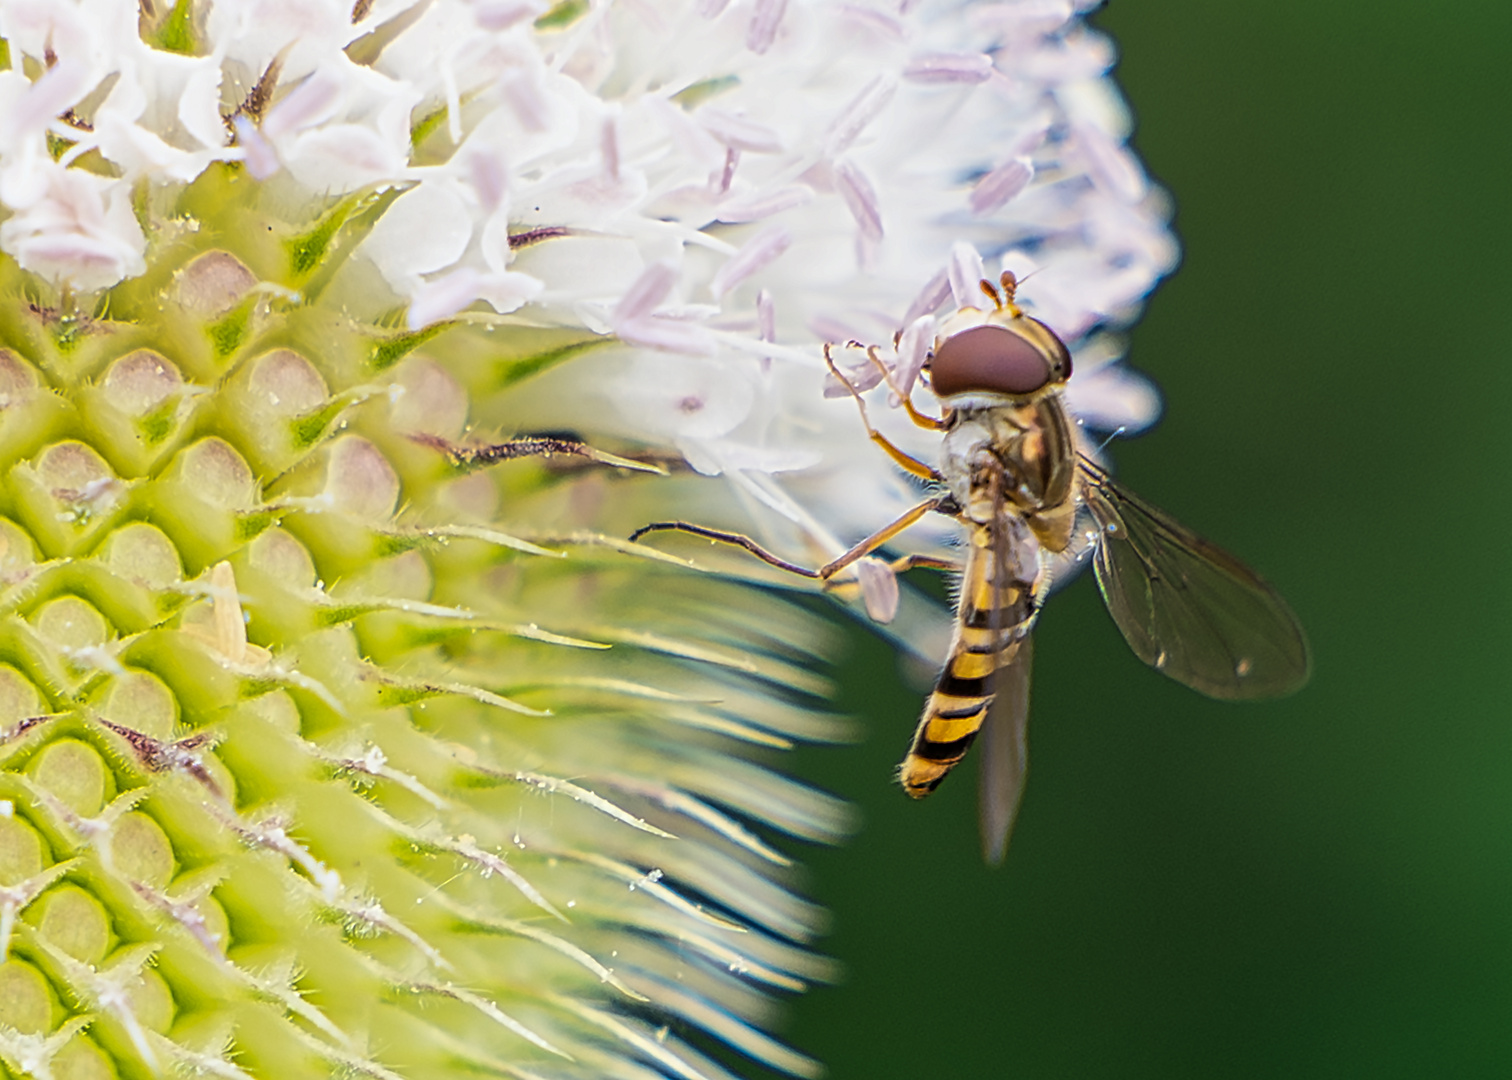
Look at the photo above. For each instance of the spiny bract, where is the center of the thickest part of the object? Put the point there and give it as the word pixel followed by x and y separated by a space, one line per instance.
pixel 333 747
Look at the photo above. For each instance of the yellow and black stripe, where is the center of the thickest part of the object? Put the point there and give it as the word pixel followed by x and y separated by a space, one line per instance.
pixel 993 618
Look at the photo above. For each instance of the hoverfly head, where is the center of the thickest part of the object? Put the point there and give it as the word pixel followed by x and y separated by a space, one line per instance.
pixel 1009 353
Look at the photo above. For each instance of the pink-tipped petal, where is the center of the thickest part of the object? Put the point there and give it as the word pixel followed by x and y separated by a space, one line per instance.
pixel 1022 19
pixel 765 21
pixel 993 191
pixel 948 68
pixel 443 298
pixel 487 173
pixel 913 350
pixel 860 377
pixel 509 291
pixel 1111 164
pixel 766 323
pixel 310 103
pixel 934 293
pixel 860 199
pixel 609 148
pixel 1113 398
pixel 667 335
pixel 497 15
pixel 649 290
pixel 965 272
pixel 879 589
pixel 258 154
pixel 860 111
pixel 740 132
pixel 746 208
pixel 766 246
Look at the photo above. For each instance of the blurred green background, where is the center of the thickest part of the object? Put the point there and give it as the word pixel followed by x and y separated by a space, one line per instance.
pixel 1320 886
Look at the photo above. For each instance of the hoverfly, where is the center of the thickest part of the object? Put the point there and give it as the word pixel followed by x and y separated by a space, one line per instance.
pixel 1011 473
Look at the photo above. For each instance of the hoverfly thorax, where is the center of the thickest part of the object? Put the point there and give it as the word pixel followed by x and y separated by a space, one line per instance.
pixel 998 375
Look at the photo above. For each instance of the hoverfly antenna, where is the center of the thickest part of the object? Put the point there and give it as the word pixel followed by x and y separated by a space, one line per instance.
pixel 1011 283
pixel 992 294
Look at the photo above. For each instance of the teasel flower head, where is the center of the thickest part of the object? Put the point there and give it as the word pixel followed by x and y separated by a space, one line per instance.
pixel 340 347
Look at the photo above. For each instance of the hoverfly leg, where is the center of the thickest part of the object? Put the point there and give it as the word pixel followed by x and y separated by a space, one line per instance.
pixel 739 540
pixel 928 562
pixel 928 423
pixel 905 461
pixel 881 536
pixel 829 569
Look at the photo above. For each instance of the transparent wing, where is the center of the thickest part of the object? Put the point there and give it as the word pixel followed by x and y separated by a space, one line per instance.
pixel 1003 750
pixel 1187 607
pixel 1002 745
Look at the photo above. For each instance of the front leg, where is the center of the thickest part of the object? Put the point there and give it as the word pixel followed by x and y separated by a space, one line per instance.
pixel 940 503
pixel 908 462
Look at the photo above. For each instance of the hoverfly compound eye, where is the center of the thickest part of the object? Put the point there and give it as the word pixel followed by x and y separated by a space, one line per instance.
pixel 992 358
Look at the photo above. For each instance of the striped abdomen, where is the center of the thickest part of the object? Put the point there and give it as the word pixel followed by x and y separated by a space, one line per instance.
pixel 993 618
